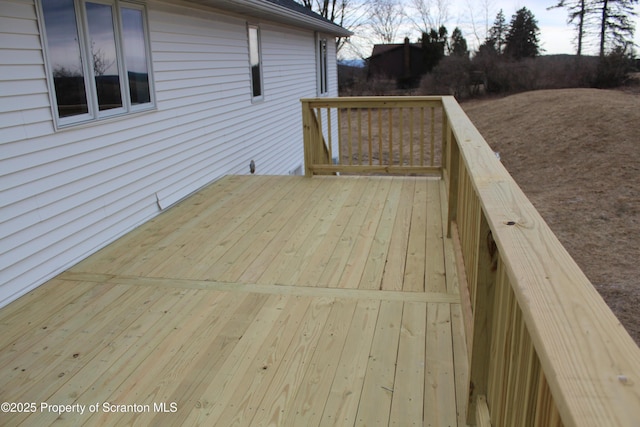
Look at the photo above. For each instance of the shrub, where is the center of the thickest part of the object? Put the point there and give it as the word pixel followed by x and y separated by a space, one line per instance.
pixel 613 69
pixel 452 76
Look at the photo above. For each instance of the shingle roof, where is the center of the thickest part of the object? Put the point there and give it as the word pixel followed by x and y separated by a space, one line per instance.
pixel 297 7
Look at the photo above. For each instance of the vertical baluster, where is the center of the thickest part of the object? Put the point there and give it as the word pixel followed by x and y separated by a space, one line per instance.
pixel 411 112
pixel 319 147
pixel 380 136
pixel 445 144
pixel 390 123
pixel 360 136
pixel 433 135
pixel 350 139
pixel 329 139
pixel 421 136
pixel 401 141
pixel 340 135
pixel 369 137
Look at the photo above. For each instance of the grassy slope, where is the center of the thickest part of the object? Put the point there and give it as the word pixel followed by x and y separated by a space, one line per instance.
pixel 576 154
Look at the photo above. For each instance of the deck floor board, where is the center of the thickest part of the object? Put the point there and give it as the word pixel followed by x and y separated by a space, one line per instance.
pixel 256 301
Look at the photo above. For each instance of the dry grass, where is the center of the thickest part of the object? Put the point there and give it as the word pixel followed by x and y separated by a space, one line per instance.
pixel 576 154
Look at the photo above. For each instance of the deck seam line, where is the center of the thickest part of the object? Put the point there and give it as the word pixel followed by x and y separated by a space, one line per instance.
pixel 274 289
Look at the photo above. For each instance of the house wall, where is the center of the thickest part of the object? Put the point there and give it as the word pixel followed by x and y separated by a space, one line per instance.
pixel 66 193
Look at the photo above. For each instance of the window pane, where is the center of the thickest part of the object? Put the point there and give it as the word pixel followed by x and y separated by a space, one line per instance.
pixel 254 59
pixel 135 52
pixel 64 55
pixel 103 54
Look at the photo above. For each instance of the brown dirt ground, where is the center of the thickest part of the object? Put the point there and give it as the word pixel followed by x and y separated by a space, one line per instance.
pixel 576 154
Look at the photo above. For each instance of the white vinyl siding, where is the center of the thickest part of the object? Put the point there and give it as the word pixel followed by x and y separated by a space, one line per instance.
pixel 66 193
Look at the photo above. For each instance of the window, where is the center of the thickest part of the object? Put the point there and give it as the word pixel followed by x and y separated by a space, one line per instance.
pixel 98 57
pixel 323 85
pixel 255 62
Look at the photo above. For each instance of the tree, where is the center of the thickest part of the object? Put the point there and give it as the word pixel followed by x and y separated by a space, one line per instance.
pixel 496 37
pixel 616 27
pixel 428 14
pixel 433 46
pixel 522 37
pixel 458 46
pixel 578 13
pixel 349 14
pixel 385 18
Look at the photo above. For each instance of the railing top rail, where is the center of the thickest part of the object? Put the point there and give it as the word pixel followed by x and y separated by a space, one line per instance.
pixel 590 361
pixel 373 101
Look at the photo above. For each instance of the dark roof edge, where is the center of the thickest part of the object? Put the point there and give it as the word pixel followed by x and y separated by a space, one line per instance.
pixel 283 11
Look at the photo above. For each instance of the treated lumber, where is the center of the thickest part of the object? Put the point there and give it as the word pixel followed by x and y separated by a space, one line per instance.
pixel 237 383
pixel 379 253
pixel 274 229
pixel 327 244
pixel 377 390
pixel 409 385
pixel 393 276
pixel 344 397
pixel 275 407
pixel 414 271
pixel 25 326
pixel 256 349
pixel 435 277
pixel 312 291
pixel 433 171
pixel 149 242
pixel 342 255
pixel 362 241
pixel 374 102
pixel 309 402
pixel 290 250
pixel 440 394
pixel 256 233
pixel 587 356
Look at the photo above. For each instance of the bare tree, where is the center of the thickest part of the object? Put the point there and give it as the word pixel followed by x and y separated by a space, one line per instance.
pixel 428 14
pixel 101 63
pixel 385 18
pixel 476 9
pixel 349 14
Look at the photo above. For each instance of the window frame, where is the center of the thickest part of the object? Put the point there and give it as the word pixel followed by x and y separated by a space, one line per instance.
pixel 94 114
pixel 322 68
pixel 260 96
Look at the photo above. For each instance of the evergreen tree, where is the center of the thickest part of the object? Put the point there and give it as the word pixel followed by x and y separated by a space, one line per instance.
pixel 496 38
pixel 616 27
pixel 433 46
pixel 458 44
pixel 522 37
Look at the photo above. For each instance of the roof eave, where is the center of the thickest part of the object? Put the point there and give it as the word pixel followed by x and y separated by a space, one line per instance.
pixel 267 10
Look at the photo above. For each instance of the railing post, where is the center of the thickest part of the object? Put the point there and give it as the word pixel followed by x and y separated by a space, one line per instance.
pixel 307 138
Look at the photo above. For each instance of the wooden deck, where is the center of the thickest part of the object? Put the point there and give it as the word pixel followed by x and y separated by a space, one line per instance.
pixel 257 301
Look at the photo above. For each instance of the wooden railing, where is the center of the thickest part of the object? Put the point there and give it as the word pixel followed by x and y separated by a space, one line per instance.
pixel 361 135
pixel 544 349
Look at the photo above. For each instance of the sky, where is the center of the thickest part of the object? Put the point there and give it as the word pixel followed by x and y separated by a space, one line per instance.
pixel 556 36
